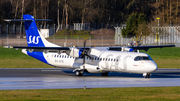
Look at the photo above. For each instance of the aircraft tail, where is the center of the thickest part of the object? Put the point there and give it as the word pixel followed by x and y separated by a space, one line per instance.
pixel 33 35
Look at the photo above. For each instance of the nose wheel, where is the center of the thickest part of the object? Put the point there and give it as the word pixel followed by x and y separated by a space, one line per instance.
pixel 146 75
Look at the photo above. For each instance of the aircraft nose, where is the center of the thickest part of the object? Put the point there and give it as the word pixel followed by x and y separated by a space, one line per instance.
pixel 152 66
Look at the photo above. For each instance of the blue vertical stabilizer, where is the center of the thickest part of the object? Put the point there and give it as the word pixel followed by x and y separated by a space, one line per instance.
pixel 32 34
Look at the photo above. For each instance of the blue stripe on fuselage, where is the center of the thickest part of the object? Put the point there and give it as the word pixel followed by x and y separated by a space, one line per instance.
pixel 38 55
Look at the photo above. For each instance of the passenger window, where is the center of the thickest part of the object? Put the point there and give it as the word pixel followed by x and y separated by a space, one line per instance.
pixel 100 59
pixel 103 59
pixel 117 60
pixel 62 56
pixel 106 59
pixel 112 59
pixel 54 55
pixel 59 56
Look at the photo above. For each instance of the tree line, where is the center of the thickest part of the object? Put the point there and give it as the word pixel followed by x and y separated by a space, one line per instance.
pixel 91 11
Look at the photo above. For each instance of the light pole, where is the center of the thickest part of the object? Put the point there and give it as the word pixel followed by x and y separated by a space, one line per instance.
pixel 158 36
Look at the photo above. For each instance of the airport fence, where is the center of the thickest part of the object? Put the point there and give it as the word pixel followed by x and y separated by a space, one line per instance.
pixel 167 35
pixel 16 30
pixel 11 35
pixel 162 35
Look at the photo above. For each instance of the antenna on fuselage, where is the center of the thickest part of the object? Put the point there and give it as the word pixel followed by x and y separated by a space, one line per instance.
pixel 138 50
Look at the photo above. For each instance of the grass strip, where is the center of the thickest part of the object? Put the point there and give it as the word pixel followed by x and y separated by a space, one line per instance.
pixel 165 57
pixel 11 58
pixel 95 94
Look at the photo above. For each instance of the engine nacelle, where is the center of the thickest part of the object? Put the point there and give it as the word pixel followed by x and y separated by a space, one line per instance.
pixel 75 52
pixel 127 49
pixel 94 51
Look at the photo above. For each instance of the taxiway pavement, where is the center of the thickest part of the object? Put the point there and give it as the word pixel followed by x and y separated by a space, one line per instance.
pixel 54 78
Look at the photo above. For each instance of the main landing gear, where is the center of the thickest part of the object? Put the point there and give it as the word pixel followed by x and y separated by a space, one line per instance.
pixel 146 75
pixel 105 74
pixel 79 72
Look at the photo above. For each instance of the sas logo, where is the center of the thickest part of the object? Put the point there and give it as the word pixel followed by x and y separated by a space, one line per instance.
pixel 33 40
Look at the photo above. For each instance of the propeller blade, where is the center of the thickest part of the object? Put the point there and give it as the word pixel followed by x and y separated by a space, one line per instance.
pixel 83 59
pixel 84 44
pixel 84 52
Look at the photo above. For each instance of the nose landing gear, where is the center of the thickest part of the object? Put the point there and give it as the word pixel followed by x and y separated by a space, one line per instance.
pixel 146 75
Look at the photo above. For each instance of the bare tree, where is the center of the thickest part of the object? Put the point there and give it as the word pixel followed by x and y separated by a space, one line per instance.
pixel 22 10
pixel 143 30
pixel 170 11
pixel 17 4
pixel 62 21
pixel 46 12
pixel 66 8
pixel 34 13
pixel 84 8
pixel 58 17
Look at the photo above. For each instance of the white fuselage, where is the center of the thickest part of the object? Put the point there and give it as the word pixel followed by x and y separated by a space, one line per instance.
pixel 103 61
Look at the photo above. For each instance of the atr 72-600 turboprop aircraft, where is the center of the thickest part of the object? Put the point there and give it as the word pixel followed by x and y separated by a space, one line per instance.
pixel 86 59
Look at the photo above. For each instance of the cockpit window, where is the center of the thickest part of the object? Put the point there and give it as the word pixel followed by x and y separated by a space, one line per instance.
pixel 138 58
pixel 150 57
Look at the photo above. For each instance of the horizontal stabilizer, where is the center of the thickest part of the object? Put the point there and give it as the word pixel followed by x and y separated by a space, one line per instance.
pixel 9 20
pixel 44 48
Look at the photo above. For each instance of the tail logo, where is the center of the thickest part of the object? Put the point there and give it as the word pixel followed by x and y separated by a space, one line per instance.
pixel 33 39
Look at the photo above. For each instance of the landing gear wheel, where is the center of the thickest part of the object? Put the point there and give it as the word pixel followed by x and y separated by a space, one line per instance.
pixel 79 73
pixel 148 75
pixel 104 74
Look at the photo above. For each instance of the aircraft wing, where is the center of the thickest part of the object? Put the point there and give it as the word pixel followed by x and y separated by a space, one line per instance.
pixel 51 49
pixel 146 48
pixel 132 48
pixel 43 49
pixel 135 48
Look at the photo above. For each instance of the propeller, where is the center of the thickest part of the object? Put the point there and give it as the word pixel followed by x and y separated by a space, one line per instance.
pixel 84 52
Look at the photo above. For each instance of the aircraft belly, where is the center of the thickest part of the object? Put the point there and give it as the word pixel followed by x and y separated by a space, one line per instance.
pixel 79 62
pixel 65 63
